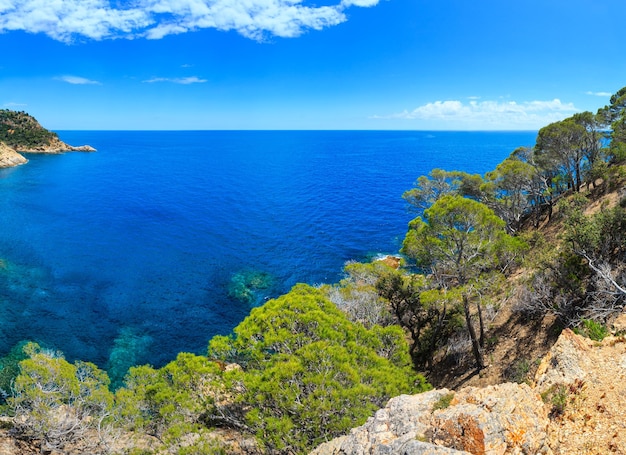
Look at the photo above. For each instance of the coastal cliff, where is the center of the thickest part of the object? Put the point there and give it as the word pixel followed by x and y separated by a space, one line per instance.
pixel 573 405
pixel 9 157
pixel 22 133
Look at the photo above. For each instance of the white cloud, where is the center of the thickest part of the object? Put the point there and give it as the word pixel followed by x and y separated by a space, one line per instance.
pixel 12 105
pixel 363 3
pixel 177 80
pixel 68 20
pixel 77 80
pixel 488 114
pixel 603 94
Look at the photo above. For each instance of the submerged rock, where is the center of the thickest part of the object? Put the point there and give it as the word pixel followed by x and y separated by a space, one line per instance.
pixel 129 349
pixel 246 284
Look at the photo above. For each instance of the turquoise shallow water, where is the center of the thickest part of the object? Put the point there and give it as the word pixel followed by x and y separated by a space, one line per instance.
pixel 160 240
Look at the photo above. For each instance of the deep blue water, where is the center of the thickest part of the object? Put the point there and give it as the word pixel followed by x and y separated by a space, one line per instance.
pixel 149 246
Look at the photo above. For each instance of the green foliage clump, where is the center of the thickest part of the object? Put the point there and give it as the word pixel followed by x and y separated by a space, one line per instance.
pixel 59 404
pixel 518 371
pixel 169 402
pixel 309 373
pixel 557 396
pixel 10 368
pixel 21 131
pixel 444 401
pixel 592 329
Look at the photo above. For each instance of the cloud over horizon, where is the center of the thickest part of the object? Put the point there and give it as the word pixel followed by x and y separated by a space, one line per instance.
pixel 603 94
pixel 490 114
pixel 66 20
pixel 77 80
pixel 177 80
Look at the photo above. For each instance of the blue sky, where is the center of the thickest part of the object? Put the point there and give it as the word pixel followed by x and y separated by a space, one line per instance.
pixel 309 64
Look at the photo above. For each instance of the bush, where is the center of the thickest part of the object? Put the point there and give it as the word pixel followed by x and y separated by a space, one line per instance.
pixel 58 403
pixel 592 329
pixel 310 374
pixel 518 371
pixel 443 402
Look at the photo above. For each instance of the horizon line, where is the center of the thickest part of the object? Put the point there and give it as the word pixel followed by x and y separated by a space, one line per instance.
pixel 307 130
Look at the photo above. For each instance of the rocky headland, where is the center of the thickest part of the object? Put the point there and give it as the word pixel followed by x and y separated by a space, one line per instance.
pixel 21 133
pixel 10 157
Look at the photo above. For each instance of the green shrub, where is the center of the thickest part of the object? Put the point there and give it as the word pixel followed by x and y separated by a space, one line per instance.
pixel 592 329
pixel 444 401
pixel 557 396
pixel 57 403
pixel 311 374
pixel 518 371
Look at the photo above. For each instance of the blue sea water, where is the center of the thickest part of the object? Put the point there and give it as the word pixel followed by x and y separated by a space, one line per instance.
pixel 161 240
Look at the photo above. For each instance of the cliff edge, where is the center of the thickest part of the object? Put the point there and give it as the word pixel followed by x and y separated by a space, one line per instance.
pixel 574 405
pixel 9 157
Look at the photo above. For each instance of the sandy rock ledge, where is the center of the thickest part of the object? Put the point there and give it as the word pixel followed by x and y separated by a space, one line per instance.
pixel 9 157
pixel 506 418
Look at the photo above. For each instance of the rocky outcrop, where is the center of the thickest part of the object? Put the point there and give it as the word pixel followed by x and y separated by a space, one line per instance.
pixel 565 363
pixel 9 157
pixel 507 418
pixel 576 405
pixel 56 146
pixel 584 385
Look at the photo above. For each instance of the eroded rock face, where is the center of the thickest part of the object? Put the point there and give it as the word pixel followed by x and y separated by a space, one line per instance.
pixel 507 418
pixel 9 157
pixel 591 378
pixel 564 363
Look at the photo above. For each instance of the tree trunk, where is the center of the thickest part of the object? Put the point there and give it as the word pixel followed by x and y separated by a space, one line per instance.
pixel 478 355
pixel 481 325
pixel 435 338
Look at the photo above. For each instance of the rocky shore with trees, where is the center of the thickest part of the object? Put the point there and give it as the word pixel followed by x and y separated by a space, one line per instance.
pixel 22 133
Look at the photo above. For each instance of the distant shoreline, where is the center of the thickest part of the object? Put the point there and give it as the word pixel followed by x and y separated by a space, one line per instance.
pixel 10 157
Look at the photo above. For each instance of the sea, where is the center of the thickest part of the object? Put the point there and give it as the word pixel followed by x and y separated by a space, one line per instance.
pixel 161 240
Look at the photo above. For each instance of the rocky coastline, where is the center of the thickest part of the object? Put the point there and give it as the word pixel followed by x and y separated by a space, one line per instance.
pixel 573 406
pixel 11 157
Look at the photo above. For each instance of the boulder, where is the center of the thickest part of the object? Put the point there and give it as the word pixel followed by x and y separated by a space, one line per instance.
pixel 565 363
pixel 507 418
pixel 501 419
pixel 9 157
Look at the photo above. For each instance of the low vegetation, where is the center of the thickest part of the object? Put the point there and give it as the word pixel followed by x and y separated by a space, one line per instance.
pixel 20 130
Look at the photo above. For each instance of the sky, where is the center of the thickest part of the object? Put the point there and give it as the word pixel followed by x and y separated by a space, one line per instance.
pixel 309 64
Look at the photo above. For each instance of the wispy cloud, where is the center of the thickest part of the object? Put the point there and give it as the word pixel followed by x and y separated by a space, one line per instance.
pixel 68 20
pixel 177 80
pixel 12 105
pixel 603 94
pixel 488 114
pixel 77 80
